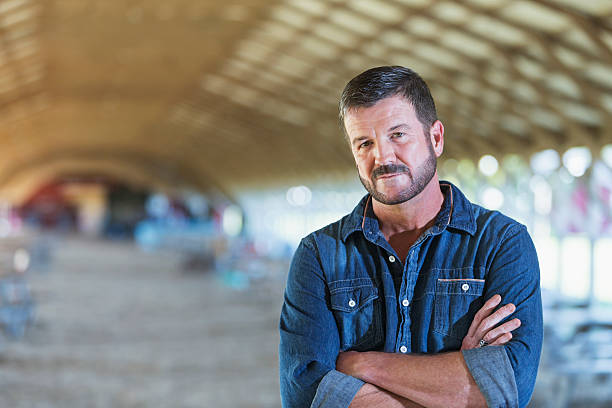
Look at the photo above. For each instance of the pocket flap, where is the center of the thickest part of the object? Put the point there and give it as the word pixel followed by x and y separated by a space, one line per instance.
pixel 472 287
pixel 353 299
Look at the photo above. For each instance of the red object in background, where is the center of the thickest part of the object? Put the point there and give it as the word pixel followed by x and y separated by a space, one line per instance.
pixel 48 208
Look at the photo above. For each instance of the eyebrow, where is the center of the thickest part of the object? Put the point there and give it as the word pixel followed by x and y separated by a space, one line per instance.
pixel 398 126
pixel 359 139
pixel 391 129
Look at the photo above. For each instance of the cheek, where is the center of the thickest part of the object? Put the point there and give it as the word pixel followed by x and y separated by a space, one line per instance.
pixel 412 155
pixel 364 169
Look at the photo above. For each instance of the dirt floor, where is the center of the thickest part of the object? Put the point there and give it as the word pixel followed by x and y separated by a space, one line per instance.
pixel 117 327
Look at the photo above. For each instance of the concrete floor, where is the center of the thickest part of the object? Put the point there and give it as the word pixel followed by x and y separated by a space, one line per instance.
pixel 117 327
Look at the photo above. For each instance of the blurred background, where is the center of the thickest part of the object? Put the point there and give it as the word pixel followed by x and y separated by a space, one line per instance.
pixel 161 159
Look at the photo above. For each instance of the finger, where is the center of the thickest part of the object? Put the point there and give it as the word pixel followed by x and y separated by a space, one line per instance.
pixel 501 340
pixel 483 312
pixel 499 315
pixel 501 329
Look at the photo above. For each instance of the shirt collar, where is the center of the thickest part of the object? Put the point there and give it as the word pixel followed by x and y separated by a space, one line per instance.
pixel 461 212
pixel 456 212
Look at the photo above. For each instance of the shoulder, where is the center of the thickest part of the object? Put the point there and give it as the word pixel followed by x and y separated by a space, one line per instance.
pixel 331 234
pixel 319 251
pixel 479 221
pixel 496 223
pixel 505 240
pixel 337 232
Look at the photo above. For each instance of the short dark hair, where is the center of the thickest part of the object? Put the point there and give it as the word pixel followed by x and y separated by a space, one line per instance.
pixel 375 84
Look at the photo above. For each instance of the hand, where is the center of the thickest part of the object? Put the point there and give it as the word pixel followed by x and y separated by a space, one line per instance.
pixel 485 320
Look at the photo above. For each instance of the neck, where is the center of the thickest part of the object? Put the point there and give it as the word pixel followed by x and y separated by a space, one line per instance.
pixel 414 215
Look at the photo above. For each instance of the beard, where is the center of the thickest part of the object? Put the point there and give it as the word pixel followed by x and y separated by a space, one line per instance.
pixel 419 180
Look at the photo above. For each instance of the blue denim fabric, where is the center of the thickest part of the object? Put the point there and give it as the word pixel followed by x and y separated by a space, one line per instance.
pixel 345 292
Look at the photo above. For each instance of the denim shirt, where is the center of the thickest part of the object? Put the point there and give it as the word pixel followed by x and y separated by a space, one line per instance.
pixel 347 290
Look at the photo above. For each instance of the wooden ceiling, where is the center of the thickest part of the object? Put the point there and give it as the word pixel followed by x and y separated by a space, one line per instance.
pixel 211 94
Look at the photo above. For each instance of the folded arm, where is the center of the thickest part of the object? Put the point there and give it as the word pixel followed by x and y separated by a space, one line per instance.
pixel 440 380
pixel 433 380
pixel 499 375
pixel 371 396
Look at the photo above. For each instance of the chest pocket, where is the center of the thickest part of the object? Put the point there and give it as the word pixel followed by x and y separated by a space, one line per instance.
pixel 357 310
pixel 456 302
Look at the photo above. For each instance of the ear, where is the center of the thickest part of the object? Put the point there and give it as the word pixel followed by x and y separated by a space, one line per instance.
pixel 436 135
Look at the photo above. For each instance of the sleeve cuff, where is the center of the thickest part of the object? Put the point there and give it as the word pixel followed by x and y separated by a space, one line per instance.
pixel 493 374
pixel 336 390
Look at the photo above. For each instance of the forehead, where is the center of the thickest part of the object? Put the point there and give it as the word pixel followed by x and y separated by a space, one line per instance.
pixel 385 113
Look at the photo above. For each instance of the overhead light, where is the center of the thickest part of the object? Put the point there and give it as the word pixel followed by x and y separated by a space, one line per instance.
pixel 492 198
pixel 606 154
pixel 299 196
pixel 488 165
pixel 577 160
pixel 545 162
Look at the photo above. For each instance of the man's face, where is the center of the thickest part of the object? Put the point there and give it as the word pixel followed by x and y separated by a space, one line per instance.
pixel 394 157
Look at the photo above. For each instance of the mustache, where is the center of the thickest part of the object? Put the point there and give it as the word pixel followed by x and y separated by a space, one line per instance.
pixel 389 169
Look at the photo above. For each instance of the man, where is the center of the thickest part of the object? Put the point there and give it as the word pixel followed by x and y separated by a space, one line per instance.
pixel 395 305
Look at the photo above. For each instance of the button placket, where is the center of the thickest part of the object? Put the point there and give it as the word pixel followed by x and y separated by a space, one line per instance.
pixel 410 268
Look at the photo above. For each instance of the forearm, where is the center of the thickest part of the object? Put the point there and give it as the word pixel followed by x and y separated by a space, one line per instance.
pixel 371 396
pixel 439 380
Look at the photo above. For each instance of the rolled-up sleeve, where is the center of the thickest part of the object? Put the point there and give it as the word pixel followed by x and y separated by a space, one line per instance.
pixel 493 374
pixel 506 374
pixel 309 341
pixel 336 389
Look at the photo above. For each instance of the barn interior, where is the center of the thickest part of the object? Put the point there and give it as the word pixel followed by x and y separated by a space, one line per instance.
pixel 161 161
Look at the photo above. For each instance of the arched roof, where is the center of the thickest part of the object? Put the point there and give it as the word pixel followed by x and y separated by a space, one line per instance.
pixel 230 94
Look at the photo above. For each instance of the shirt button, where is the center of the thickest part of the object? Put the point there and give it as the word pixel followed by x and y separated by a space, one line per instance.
pixel 391 258
pixel 403 349
pixel 352 303
pixel 405 302
pixel 465 287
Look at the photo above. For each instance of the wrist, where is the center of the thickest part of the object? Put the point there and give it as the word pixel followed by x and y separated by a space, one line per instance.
pixel 366 366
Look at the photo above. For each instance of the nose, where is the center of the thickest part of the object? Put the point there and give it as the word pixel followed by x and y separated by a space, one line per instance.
pixel 383 153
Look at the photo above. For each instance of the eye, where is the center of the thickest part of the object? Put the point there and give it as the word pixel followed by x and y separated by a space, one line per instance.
pixel 365 144
pixel 397 135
